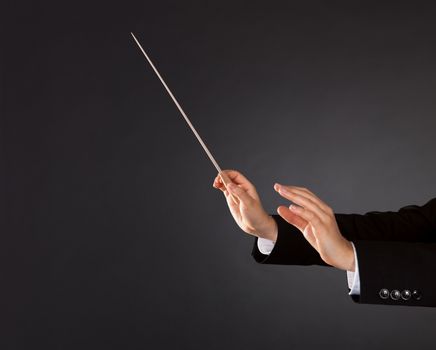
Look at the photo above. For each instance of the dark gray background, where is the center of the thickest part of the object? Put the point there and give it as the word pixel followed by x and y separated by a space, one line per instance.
pixel 115 238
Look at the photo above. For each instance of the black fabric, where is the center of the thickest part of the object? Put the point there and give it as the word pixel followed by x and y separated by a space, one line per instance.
pixel 289 241
pixel 397 266
pixel 396 250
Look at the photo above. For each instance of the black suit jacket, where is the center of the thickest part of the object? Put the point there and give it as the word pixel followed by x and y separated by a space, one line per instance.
pixel 396 252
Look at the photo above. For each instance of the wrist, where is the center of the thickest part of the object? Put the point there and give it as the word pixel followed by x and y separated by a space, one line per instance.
pixel 351 261
pixel 270 231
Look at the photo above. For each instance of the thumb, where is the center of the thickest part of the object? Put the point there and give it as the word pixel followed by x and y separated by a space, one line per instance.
pixel 292 218
pixel 239 192
pixel 299 223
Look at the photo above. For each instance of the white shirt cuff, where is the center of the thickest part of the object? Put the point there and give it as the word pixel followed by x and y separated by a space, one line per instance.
pixel 353 278
pixel 265 246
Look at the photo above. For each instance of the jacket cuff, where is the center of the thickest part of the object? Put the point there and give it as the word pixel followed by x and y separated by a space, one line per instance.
pixel 291 248
pixel 396 273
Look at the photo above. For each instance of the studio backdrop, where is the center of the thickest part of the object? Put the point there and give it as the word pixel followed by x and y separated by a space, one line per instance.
pixel 112 234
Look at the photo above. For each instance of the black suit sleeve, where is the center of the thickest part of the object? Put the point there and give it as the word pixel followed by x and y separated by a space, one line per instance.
pixel 396 273
pixel 396 251
pixel 291 248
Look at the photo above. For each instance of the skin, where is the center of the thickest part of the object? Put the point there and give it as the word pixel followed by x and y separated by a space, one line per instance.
pixel 311 216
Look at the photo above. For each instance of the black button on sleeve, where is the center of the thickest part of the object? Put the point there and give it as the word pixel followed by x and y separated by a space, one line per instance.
pixel 384 293
pixel 406 294
pixel 416 294
pixel 395 294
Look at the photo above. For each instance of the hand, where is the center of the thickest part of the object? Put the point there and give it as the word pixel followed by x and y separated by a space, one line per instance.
pixel 248 213
pixel 317 222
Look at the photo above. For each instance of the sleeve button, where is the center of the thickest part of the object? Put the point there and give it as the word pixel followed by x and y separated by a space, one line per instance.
pixel 384 293
pixel 406 294
pixel 416 294
pixel 395 294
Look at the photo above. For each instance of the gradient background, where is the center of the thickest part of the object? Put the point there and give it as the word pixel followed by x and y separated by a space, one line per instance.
pixel 114 237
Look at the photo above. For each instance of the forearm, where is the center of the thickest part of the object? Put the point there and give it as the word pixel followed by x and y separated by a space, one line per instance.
pixel 411 223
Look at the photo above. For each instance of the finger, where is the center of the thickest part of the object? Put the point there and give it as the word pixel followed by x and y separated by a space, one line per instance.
pixel 237 178
pixel 234 207
pixel 240 193
pixel 303 189
pixel 302 225
pixel 308 194
pixel 221 186
pixel 305 193
pixel 240 180
pixel 308 215
pixel 292 217
pixel 303 201
pixel 218 184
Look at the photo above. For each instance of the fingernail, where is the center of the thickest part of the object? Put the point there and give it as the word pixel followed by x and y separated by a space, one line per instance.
pixel 277 186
